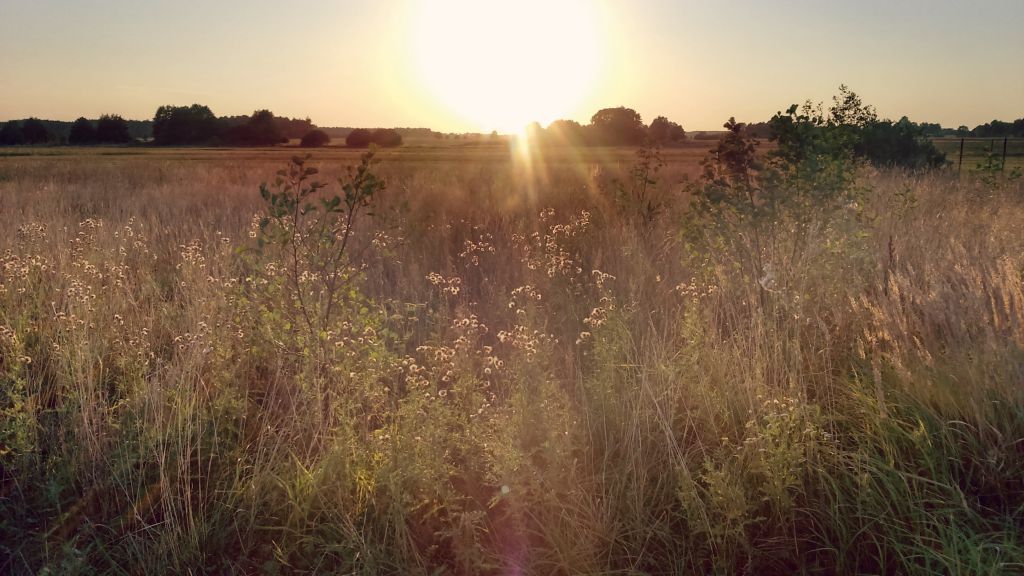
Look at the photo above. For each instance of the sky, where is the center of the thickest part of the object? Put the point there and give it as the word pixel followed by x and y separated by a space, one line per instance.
pixel 478 65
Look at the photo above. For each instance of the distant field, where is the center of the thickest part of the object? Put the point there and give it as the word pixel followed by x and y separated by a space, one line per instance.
pixel 977 149
pixel 414 152
pixel 684 159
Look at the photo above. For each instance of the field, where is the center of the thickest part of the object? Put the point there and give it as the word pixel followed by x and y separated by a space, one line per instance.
pixel 524 363
pixel 976 150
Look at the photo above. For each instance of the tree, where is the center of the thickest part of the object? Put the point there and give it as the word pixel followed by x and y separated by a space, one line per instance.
pixel 567 132
pixel 11 134
pixel 848 109
pixel 732 164
pixel 815 149
pixel 902 144
pixel 35 132
pixel 534 132
pixel 315 139
pixel 82 132
pixel 359 138
pixel 759 130
pixel 293 127
pixel 112 129
pixel 263 129
pixel 175 125
pixel 932 129
pixel 260 129
pixel 618 126
pixel 664 131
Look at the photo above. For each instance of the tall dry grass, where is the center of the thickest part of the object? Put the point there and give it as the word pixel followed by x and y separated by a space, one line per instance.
pixel 530 378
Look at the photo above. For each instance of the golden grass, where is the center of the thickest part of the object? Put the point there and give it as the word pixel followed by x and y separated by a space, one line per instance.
pixel 532 378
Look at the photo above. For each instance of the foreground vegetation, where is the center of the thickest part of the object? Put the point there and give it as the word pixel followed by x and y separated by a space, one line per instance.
pixel 520 366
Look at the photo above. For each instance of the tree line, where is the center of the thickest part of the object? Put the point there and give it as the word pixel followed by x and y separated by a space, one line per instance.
pixel 619 126
pixel 107 129
pixel 198 125
pixel 993 129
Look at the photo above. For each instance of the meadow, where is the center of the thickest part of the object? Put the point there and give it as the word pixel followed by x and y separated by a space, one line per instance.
pixel 525 363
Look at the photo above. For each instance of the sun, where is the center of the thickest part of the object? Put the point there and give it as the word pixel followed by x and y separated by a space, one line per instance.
pixel 500 65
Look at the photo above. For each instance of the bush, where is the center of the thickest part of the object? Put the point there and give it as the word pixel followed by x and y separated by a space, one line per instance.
pixel 315 139
pixel 359 138
pixel 386 138
pixel 383 137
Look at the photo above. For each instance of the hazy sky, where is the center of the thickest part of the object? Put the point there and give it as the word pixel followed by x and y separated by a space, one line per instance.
pixel 423 62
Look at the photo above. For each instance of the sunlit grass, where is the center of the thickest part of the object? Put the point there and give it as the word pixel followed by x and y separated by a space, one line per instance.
pixel 530 379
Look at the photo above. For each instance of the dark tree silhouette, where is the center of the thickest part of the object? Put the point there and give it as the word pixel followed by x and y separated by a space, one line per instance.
pixel 664 131
pixel 82 132
pixel 902 143
pixel 11 134
pixel 734 160
pixel 618 126
pixel 193 124
pixel 263 129
pixel 315 139
pixel 35 132
pixel 293 127
pixel 1000 129
pixel 112 129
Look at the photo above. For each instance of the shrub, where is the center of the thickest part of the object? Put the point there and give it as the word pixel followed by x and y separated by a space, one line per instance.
pixel 386 138
pixel 309 233
pixel 383 137
pixel 315 139
pixel 359 138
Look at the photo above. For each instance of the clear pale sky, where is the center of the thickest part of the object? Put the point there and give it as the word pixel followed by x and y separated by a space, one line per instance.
pixel 460 65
